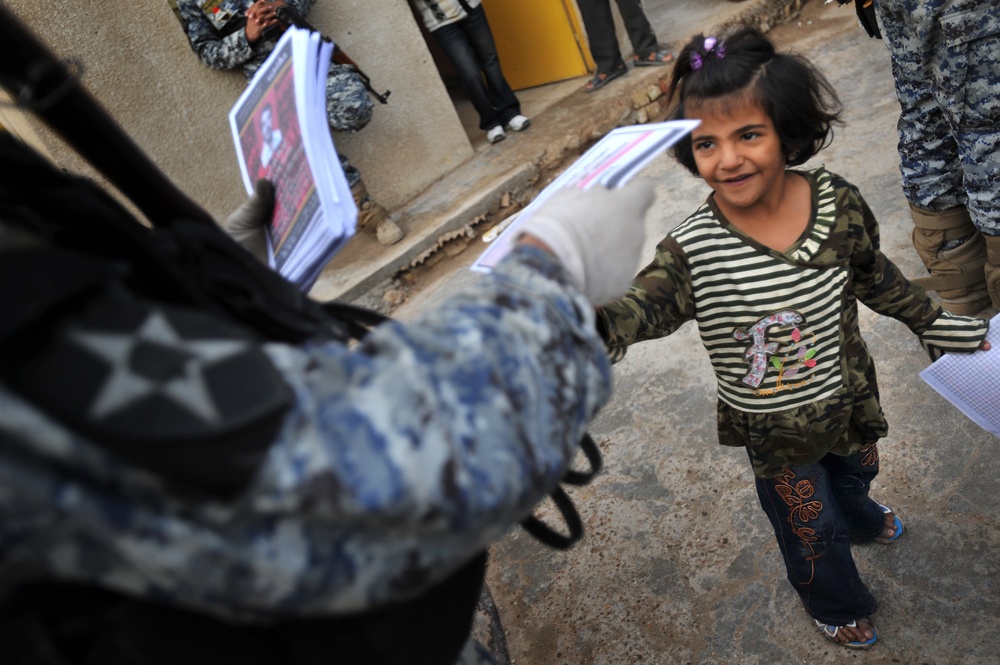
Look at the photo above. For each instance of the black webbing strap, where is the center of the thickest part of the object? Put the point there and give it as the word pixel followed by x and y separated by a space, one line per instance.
pixel 546 534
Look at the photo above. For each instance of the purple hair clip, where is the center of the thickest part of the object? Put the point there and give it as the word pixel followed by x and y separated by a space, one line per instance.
pixel 710 44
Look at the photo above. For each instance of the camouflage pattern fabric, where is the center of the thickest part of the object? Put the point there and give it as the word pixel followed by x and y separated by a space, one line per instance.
pixel 946 66
pixel 401 459
pixel 348 106
pixel 663 297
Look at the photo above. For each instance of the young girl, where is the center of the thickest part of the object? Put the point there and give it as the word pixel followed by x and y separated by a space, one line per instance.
pixel 771 268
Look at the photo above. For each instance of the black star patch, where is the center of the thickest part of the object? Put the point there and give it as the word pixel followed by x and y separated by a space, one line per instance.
pixel 155 360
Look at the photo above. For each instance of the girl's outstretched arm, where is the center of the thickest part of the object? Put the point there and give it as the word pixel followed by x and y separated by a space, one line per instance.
pixel 881 285
pixel 659 301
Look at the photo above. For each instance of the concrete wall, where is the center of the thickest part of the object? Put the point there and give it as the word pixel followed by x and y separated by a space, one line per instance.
pixel 139 65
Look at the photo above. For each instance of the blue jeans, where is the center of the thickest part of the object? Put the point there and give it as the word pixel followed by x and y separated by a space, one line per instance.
pixel 470 48
pixel 816 511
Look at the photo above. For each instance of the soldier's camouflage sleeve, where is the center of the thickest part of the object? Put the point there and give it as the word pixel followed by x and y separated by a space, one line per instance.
pixel 881 285
pixel 659 301
pixel 401 458
pixel 229 52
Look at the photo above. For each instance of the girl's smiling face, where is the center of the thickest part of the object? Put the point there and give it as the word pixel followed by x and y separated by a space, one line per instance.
pixel 738 152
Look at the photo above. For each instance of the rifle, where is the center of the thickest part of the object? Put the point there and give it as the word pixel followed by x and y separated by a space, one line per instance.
pixel 288 16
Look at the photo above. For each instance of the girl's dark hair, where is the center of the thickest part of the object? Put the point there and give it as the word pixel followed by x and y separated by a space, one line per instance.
pixel 799 100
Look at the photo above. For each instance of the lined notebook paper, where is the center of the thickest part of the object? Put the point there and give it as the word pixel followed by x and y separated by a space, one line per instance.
pixel 971 381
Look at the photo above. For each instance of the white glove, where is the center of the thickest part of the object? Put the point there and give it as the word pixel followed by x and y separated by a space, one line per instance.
pixel 246 224
pixel 597 234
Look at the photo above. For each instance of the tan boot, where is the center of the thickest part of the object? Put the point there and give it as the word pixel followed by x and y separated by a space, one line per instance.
pixel 957 273
pixel 373 217
pixel 992 268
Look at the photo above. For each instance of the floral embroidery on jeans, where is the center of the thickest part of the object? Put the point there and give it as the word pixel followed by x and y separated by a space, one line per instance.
pixel 801 511
pixel 869 455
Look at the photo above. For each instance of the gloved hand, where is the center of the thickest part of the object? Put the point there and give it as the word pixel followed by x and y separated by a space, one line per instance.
pixel 597 234
pixel 246 224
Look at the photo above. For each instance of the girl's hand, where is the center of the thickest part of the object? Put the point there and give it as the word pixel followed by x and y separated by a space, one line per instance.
pixel 985 346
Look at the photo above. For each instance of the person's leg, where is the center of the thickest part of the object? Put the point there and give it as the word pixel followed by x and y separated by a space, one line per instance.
pixel 349 109
pixel 351 172
pixel 968 78
pixel 600 27
pixel 815 543
pixel 945 234
pixel 477 29
pixel 455 43
pixel 348 105
pixel 640 32
pixel 372 216
pixel 850 480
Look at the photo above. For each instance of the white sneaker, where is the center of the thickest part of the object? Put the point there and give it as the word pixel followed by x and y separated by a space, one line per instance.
pixel 519 123
pixel 496 134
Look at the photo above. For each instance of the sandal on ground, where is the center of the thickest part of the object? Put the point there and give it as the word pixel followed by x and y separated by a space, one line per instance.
pixel 601 79
pixel 897 526
pixel 830 633
pixel 655 59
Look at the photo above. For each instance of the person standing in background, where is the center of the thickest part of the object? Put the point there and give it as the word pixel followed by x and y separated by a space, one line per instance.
pixel 600 26
pixel 946 67
pixel 461 29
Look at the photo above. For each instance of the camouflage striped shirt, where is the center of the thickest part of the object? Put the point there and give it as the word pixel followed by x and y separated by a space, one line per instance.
pixel 795 379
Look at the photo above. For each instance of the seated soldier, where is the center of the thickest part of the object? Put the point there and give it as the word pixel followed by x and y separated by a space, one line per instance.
pixel 227 34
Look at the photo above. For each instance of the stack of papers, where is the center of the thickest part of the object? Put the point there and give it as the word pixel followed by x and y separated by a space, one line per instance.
pixel 281 133
pixel 611 163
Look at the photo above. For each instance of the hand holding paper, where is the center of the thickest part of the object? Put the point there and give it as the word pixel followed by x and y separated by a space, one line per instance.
pixel 247 224
pixel 597 234
pixel 971 381
pixel 281 134
pixel 609 164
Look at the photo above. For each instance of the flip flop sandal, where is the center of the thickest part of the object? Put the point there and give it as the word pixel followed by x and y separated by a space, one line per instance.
pixel 600 80
pixel 830 633
pixel 657 58
pixel 897 526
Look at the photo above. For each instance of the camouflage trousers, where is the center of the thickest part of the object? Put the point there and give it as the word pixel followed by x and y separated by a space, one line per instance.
pixel 946 65
pixel 348 109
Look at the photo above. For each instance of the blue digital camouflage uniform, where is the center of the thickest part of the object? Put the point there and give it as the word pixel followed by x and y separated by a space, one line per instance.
pixel 946 66
pixel 401 459
pixel 348 105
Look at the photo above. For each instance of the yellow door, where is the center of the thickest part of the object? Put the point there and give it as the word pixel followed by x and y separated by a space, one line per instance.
pixel 538 41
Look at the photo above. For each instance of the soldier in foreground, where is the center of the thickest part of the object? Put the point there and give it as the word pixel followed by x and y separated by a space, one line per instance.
pixel 179 488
